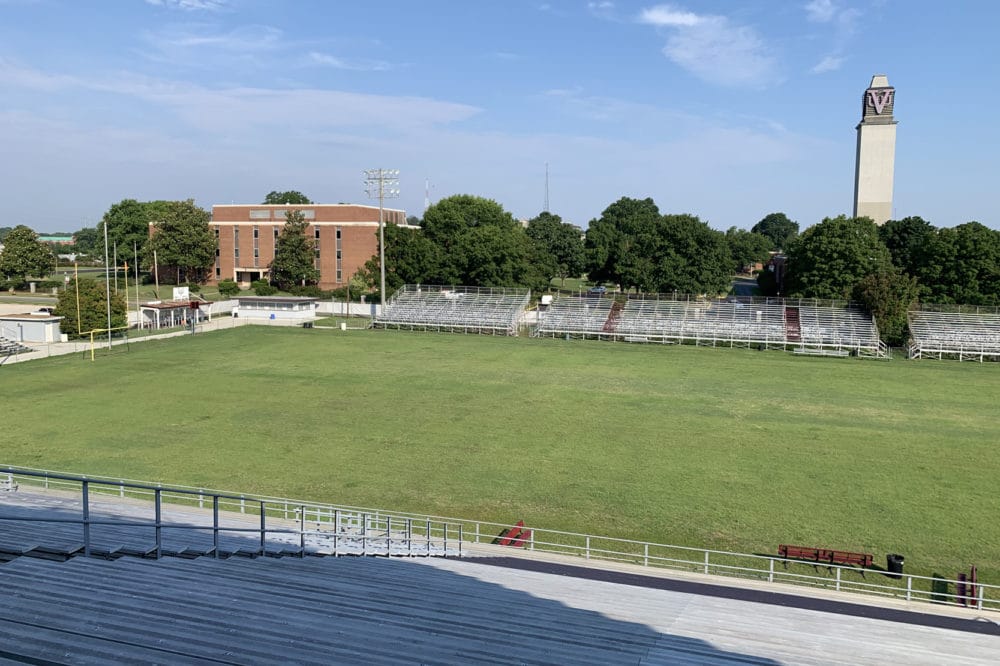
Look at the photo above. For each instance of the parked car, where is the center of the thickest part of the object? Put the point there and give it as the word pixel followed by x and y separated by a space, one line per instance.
pixel 599 290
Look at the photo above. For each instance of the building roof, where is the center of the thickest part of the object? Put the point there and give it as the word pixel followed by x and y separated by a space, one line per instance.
pixel 31 316
pixel 170 305
pixel 275 299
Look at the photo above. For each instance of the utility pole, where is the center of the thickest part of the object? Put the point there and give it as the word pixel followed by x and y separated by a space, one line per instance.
pixel 384 184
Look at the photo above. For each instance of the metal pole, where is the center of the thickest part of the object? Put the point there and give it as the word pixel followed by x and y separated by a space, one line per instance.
pixel 263 529
pixel 107 283
pixel 215 526
pixel 302 531
pixel 159 536
pixel 135 254
pixel 381 240
pixel 86 518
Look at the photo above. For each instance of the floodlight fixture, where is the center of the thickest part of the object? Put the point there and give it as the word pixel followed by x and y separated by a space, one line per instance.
pixel 384 184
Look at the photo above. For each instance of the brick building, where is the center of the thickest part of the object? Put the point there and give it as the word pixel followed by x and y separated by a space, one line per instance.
pixel 346 236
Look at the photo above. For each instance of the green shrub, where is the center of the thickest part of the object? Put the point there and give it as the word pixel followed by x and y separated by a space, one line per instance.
pixel 263 288
pixel 311 290
pixel 229 288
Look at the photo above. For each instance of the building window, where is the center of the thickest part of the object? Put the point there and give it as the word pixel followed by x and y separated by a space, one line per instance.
pixel 316 233
pixel 260 215
pixel 256 232
pixel 236 242
pixel 279 214
pixel 340 263
pixel 309 214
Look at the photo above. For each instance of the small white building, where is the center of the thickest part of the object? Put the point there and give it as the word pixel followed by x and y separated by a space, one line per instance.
pixel 277 309
pixel 41 326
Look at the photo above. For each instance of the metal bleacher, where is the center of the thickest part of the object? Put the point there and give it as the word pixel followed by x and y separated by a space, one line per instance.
pixel 840 332
pixel 491 605
pixel 9 347
pixel 804 326
pixel 495 311
pixel 941 332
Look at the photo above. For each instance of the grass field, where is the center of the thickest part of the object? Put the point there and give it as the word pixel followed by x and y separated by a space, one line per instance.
pixel 731 449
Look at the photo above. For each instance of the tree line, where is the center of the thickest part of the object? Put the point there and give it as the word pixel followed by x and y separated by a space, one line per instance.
pixel 470 240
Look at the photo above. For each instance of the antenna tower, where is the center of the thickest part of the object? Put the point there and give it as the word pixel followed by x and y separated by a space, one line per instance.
pixel 546 187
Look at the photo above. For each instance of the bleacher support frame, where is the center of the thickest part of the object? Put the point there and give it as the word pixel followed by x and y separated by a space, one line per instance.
pixel 826 327
pixel 963 333
pixel 455 309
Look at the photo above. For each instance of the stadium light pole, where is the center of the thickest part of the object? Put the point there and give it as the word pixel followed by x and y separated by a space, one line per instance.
pixel 384 184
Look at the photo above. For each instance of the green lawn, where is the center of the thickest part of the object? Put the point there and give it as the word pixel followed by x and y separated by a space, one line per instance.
pixel 731 449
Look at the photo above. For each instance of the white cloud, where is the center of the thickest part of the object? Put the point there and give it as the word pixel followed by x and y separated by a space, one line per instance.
pixel 714 48
pixel 821 11
pixel 828 64
pixel 243 39
pixel 843 24
pixel 352 65
pixel 246 109
pixel 667 16
pixel 602 9
pixel 190 5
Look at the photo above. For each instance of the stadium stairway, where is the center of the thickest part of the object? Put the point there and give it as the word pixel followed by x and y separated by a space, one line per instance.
pixel 793 327
pixel 614 317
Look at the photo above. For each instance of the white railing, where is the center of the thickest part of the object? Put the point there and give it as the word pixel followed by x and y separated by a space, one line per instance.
pixel 264 522
pixel 377 528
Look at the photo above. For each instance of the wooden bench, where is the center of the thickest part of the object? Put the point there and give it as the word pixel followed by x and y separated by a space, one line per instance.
pixel 825 555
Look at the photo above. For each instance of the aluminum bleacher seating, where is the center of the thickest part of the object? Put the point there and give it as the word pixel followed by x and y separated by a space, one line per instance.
pixel 455 309
pixel 966 336
pixel 823 328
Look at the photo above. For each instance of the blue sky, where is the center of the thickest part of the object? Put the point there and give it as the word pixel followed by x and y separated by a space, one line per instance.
pixel 726 110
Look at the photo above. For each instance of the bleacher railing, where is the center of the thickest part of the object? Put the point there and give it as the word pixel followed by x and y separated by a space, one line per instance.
pixel 301 528
pixel 380 528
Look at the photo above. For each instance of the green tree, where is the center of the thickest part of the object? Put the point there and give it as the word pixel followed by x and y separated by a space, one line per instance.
pixel 184 245
pixel 831 257
pixel 611 238
pixel 563 242
pixel 692 257
pixel 747 247
pixel 961 265
pixel 907 241
pixel 294 256
pixel 88 241
pixel 4 231
pixel 888 295
pixel 470 230
pixel 290 197
pixel 128 226
pixel 24 255
pixel 779 229
pixel 92 305
pixel 410 258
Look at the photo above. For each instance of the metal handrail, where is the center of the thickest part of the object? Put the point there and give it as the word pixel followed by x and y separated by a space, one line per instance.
pixel 434 536
pixel 589 546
